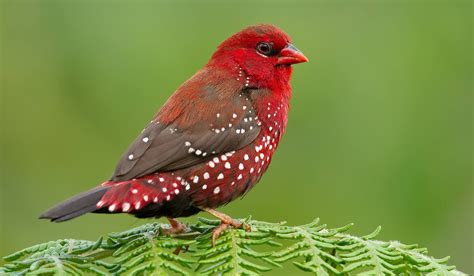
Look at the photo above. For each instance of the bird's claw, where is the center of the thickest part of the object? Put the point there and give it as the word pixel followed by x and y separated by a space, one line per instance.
pixel 175 228
pixel 226 224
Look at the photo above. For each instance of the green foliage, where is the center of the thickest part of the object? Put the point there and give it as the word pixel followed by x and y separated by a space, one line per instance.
pixel 148 249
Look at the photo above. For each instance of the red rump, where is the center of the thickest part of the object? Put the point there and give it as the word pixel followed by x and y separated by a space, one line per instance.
pixel 211 141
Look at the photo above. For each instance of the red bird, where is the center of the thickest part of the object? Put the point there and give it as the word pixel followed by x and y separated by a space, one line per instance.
pixel 211 141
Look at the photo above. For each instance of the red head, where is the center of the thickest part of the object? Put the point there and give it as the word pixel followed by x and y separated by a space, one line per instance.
pixel 264 53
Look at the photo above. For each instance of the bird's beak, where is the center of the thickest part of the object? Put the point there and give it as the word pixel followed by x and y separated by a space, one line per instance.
pixel 291 55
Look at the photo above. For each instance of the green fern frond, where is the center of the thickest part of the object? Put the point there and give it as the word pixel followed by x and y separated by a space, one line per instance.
pixel 148 250
pixel 56 257
pixel 375 257
pixel 314 244
pixel 234 251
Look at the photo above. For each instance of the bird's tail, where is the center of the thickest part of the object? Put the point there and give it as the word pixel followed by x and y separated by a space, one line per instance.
pixel 76 206
pixel 142 197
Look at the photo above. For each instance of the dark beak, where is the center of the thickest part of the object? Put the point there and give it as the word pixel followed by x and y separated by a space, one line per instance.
pixel 291 55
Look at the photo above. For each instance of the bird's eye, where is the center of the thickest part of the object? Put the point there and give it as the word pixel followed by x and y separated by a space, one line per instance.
pixel 264 48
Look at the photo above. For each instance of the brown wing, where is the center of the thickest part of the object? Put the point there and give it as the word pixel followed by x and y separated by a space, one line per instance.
pixel 193 136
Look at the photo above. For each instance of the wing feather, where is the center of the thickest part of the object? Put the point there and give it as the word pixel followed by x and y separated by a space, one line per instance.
pixel 228 125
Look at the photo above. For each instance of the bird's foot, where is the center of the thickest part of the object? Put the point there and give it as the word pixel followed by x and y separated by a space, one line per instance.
pixel 176 228
pixel 226 222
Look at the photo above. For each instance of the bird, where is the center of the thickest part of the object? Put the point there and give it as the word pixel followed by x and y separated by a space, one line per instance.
pixel 210 142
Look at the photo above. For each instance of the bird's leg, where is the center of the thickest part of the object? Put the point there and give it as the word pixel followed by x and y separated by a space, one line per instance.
pixel 226 221
pixel 176 228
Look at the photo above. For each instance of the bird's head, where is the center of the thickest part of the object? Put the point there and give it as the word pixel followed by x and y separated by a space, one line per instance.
pixel 264 53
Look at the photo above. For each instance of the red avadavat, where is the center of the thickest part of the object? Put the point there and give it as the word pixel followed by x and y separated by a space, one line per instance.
pixel 211 141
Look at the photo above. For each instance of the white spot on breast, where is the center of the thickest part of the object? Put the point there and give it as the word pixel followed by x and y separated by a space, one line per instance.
pixel 256 159
pixel 145 198
pixel 145 139
pixel 204 186
pixel 217 190
pixel 150 181
pixel 241 166
pixel 125 207
pixel 187 187
pixel 134 191
pixel 220 176
pixel 227 165
pixel 206 175
pixel 190 150
pixel 239 177
pixel 251 170
pixel 246 157
pixel 218 115
pixel 223 157
pixel 130 157
pixel 164 190
pixel 187 143
pixel 176 191
pixel 211 164
pixel 168 197
pixel 198 152
pixel 196 179
pixel 175 185
pixel 112 208
pixel 234 115
pixel 155 199
pixel 161 179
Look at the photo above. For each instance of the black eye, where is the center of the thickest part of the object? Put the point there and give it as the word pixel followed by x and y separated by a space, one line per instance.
pixel 264 48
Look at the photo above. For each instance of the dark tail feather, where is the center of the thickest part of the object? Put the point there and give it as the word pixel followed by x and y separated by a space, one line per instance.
pixel 75 206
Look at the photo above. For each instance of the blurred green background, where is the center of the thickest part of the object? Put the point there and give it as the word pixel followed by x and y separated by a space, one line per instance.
pixel 380 130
